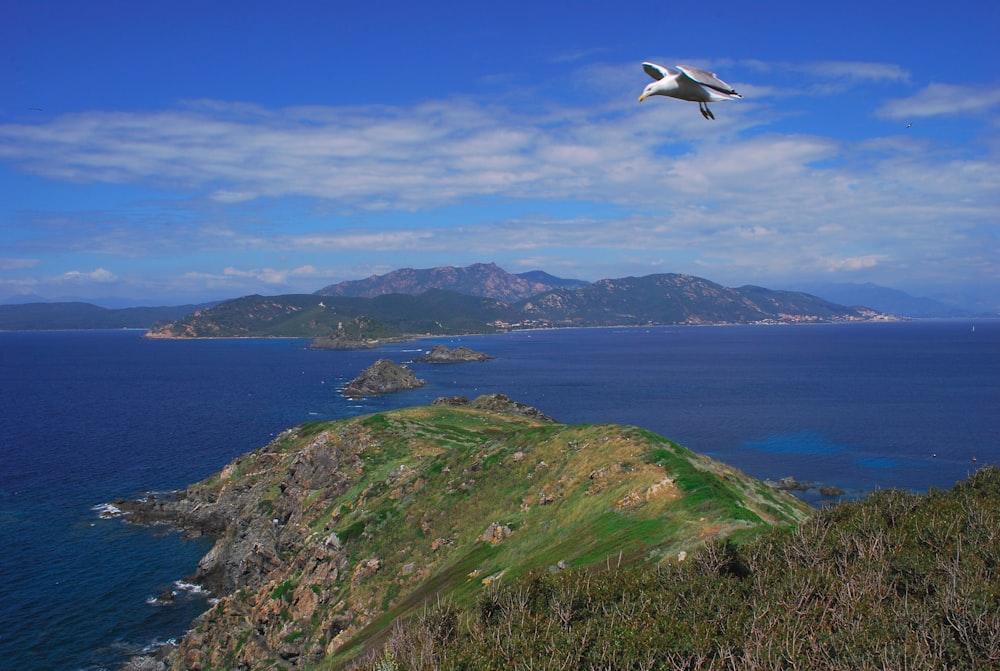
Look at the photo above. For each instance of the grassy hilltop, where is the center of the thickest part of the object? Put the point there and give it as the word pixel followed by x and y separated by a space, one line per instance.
pixel 336 529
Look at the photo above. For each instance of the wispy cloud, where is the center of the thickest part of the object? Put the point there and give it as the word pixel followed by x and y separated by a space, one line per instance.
pixel 100 276
pixel 943 100
pixel 856 71
pixel 277 276
pixel 822 78
pixel 17 263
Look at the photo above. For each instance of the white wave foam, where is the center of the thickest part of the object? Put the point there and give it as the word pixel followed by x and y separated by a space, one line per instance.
pixel 108 511
pixel 190 587
pixel 156 645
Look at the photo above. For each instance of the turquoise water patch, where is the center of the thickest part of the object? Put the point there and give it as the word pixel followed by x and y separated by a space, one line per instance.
pixel 800 442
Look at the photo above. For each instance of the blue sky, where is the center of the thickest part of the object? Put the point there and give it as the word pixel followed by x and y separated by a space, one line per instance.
pixel 171 152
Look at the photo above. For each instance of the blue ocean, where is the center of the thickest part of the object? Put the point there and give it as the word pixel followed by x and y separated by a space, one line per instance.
pixel 86 417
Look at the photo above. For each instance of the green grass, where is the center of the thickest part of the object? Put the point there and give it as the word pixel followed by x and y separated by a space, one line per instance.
pixel 283 590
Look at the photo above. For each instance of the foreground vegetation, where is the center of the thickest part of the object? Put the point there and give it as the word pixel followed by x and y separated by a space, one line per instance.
pixel 896 581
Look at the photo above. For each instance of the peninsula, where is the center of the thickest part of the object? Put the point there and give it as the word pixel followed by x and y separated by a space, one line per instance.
pixel 335 530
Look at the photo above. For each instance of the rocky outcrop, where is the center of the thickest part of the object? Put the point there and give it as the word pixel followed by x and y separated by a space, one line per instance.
pixel 499 403
pixel 382 377
pixel 443 354
pixel 261 523
pixel 790 484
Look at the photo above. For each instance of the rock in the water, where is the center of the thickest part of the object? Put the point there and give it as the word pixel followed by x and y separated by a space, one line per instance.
pixel 790 484
pixel 442 354
pixel 382 377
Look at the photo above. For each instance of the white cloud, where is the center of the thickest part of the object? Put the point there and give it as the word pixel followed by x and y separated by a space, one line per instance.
pixel 855 262
pixel 344 241
pixel 432 155
pixel 228 196
pixel 857 71
pixel 100 276
pixel 276 276
pixel 818 78
pixel 943 100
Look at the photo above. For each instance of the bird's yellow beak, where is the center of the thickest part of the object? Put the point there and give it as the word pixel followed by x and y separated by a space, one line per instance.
pixel 642 97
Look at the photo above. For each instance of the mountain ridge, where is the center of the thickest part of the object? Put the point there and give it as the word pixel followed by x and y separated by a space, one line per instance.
pixel 479 279
pixel 662 299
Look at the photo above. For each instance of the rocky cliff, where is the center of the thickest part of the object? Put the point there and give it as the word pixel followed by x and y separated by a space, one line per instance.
pixel 335 529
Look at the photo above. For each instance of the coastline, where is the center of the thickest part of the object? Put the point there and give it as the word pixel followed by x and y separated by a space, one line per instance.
pixel 410 337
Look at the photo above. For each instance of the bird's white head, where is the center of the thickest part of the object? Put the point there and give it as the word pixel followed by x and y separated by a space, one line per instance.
pixel 649 91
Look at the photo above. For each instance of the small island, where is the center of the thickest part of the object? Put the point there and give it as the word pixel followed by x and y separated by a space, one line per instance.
pixel 382 377
pixel 339 341
pixel 443 354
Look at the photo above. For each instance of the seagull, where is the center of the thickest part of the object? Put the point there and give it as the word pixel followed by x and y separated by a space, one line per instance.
pixel 688 83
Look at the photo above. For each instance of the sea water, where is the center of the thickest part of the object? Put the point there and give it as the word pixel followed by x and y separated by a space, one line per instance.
pixel 86 417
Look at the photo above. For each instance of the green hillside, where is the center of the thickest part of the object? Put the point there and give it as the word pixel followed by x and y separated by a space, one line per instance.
pixel 435 312
pixel 896 581
pixel 337 529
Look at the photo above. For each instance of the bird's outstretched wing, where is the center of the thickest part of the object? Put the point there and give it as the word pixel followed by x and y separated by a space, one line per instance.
pixel 708 79
pixel 657 71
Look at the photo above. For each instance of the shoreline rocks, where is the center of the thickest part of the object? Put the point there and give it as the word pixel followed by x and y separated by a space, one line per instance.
pixel 790 484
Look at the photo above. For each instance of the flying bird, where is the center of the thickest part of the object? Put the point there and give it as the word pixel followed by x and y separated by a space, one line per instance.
pixel 688 83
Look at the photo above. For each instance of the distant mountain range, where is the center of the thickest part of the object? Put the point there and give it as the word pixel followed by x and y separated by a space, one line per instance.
pixel 413 302
pixel 79 315
pixel 884 299
pixel 482 298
